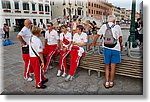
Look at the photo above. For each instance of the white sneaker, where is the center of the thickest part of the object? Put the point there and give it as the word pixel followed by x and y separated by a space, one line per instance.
pixel 64 74
pixel 28 79
pixel 67 78
pixel 71 78
pixel 50 67
pixel 58 73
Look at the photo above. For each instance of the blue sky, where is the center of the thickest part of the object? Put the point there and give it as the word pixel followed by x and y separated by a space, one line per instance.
pixel 125 3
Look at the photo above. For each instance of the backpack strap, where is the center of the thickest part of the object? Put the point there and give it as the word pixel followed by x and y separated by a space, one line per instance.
pixel 113 26
pixel 107 25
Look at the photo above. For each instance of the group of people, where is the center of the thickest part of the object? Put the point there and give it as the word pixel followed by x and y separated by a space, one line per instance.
pixel 71 40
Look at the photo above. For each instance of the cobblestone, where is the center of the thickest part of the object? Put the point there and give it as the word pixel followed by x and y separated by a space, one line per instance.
pixel 82 84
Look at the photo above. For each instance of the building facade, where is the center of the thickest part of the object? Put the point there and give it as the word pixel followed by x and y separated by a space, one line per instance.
pixel 14 12
pixel 99 9
pixel 67 8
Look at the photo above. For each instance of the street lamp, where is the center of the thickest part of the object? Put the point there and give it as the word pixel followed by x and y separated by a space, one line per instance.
pixel 131 38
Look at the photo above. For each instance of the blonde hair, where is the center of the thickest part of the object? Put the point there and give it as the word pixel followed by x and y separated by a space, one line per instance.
pixel 36 30
pixel 111 18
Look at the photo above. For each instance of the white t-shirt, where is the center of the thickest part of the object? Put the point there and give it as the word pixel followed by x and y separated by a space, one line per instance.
pixel 26 34
pixel 116 34
pixel 36 45
pixel 74 25
pixel 68 36
pixel 52 37
pixel 80 38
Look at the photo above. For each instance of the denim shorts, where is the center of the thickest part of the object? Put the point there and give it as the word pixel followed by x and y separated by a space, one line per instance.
pixel 111 56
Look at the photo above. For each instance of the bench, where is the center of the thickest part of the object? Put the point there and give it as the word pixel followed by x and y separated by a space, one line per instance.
pixel 128 67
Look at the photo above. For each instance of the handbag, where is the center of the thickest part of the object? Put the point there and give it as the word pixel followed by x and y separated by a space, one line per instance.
pixel 65 41
pixel 44 58
pixel 25 49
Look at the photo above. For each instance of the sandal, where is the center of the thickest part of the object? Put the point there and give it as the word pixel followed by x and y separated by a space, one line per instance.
pixel 111 84
pixel 106 85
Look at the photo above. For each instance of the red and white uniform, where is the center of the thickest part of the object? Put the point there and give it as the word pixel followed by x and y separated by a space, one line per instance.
pixel 26 34
pixel 77 52
pixel 51 46
pixel 35 63
pixel 65 38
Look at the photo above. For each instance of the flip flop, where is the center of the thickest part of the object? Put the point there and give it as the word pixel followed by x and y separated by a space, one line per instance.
pixel 111 84
pixel 106 85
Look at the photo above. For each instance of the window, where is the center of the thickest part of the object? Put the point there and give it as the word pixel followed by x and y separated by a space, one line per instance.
pixel 47 21
pixel 25 6
pixel 89 10
pixel 40 7
pixel 34 21
pixel 16 5
pixel 64 2
pixel 8 22
pixel 33 7
pixel 47 8
pixel 89 3
pixel 6 5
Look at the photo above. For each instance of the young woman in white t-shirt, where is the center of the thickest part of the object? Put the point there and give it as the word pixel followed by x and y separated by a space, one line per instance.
pixel 65 43
pixel 36 58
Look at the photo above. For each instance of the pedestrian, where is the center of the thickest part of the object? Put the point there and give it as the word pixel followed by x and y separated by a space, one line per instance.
pixel 77 51
pixel 65 48
pixel 43 28
pixel 74 25
pixel 24 35
pixel 51 44
pixel 6 30
pixel 36 57
pixel 111 55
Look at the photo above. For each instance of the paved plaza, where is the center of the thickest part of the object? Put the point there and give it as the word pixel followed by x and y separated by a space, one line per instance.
pixel 14 83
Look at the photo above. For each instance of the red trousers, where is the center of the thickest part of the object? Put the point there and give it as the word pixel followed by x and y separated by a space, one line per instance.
pixel 62 62
pixel 49 51
pixel 38 72
pixel 27 67
pixel 74 61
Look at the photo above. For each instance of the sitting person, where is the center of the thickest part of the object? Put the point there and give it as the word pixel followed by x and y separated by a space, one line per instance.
pixel 65 42
pixel 77 51
pixel 36 58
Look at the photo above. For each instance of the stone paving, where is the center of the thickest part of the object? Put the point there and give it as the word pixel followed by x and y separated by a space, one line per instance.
pixel 83 84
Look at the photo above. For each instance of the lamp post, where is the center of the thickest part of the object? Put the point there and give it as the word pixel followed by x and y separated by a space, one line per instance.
pixel 131 38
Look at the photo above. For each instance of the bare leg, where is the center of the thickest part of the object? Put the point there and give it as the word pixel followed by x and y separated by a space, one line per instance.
pixel 107 72
pixel 112 74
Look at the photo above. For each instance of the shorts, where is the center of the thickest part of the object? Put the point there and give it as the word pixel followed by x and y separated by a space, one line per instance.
pixel 111 56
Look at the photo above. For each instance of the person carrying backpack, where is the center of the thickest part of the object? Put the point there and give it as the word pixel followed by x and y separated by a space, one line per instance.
pixel 112 42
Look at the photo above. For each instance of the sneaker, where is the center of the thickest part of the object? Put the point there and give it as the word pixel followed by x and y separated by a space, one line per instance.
pixel 71 78
pixel 42 87
pixel 67 78
pixel 64 74
pixel 43 82
pixel 58 73
pixel 28 79
pixel 50 67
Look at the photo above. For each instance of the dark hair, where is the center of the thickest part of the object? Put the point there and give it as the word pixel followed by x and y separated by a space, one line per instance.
pixel 50 23
pixel 64 26
pixel 80 27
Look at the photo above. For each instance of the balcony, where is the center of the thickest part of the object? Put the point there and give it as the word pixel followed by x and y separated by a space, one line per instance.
pixel 17 11
pixel 34 12
pixel 26 11
pixel 41 12
pixel 7 10
pixel 47 13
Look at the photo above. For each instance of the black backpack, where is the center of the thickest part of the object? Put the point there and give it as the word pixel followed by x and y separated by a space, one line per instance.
pixel 109 40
